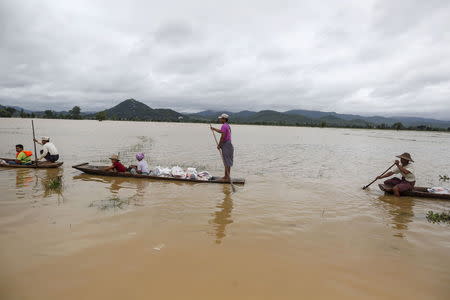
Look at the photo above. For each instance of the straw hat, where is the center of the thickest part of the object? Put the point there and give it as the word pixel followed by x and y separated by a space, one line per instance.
pixel 223 116
pixel 406 156
pixel 115 157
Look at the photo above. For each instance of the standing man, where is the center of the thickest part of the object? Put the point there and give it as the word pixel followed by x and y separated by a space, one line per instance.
pixel 225 145
pixel 49 151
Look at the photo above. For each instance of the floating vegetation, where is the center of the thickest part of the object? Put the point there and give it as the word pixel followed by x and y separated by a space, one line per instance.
pixel 113 202
pixel 443 217
pixel 54 184
pixel 444 178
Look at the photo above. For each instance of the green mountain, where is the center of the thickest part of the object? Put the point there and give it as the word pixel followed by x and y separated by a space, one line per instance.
pixel 134 110
pixel 131 109
pixel 276 118
pixel 7 112
pixel 332 120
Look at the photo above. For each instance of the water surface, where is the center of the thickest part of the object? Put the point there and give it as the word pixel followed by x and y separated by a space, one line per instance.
pixel 300 227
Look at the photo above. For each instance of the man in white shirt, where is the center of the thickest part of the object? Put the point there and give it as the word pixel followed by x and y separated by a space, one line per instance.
pixel 406 170
pixel 49 151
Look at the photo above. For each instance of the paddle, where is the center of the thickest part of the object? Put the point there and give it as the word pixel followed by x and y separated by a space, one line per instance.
pixel 34 138
pixel 223 160
pixel 366 186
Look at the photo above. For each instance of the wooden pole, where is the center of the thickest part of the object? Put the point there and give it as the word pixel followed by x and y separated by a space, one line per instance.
pixel 34 142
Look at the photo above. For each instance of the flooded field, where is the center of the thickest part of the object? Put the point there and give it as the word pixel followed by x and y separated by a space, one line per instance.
pixel 301 227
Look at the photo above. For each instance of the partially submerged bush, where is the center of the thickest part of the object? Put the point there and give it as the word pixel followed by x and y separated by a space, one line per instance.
pixel 443 217
pixel 444 178
pixel 113 202
pixel 53 183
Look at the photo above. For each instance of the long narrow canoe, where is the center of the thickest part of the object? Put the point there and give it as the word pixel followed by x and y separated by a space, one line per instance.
pixel 416 192
pixel 99 170
pixel 40 164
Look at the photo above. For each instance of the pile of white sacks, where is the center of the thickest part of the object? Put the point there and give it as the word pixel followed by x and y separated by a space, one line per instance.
pixel 178 172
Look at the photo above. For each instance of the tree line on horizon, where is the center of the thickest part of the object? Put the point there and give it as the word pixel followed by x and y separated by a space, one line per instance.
pixel 76 114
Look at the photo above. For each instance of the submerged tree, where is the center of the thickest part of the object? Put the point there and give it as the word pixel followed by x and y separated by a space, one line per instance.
pixel 398 126
pixel 7 112
pixel 101 115
pixel 75 112
pixel 49 114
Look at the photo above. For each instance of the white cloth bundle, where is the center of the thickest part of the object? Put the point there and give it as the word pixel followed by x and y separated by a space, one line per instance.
pixel 438 190
pixel 178 172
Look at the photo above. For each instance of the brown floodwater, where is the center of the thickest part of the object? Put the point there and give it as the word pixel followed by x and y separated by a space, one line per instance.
pixel 301 227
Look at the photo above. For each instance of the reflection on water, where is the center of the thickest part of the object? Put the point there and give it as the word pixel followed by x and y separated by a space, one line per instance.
pixel 37 182
pixel 400 210
pixel 115 184
pixel 139 195
pixel 24 180
pixel 222 217
pixel 306 176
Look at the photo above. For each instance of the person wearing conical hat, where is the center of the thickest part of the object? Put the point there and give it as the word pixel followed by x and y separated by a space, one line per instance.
pixel 403 167
pixel 116 165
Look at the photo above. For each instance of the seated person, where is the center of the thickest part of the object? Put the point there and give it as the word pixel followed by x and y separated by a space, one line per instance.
pixel 142 166
pixel 22 157
pixel 116 164
pixel 49 151
pixel 408 180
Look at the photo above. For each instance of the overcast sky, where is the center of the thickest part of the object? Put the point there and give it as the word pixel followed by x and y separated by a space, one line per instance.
pixel 373 57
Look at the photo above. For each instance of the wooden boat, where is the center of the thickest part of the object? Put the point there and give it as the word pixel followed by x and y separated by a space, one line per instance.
pixel 99 170
pixel 416 192
pixel 40 164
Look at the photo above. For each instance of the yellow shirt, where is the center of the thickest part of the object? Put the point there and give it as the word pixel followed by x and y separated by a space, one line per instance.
pixel 23 158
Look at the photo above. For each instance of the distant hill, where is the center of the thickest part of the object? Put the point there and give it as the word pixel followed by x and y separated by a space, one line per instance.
pixel 275 117
pixel 209 114
pixel 376 120
pixel 212 114
pixel 132 109
pixel 312 117
pixel 18 108
pixel 279 118
pixel 313 114
pixel 244 114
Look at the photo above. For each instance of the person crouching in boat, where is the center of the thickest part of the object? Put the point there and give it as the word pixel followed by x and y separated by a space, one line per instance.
pixel 141 167
pixel 408 180
pixel 116 165
pixel 225 145
pixel 49 151
pixel 22 157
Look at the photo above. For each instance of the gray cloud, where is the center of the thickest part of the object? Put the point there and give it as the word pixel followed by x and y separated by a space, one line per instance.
pixel 371 57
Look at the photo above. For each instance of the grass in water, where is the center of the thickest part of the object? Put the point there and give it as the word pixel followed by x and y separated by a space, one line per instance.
pixel 444 178
pixel 54 184
pixel 113 202
pixel 443 217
